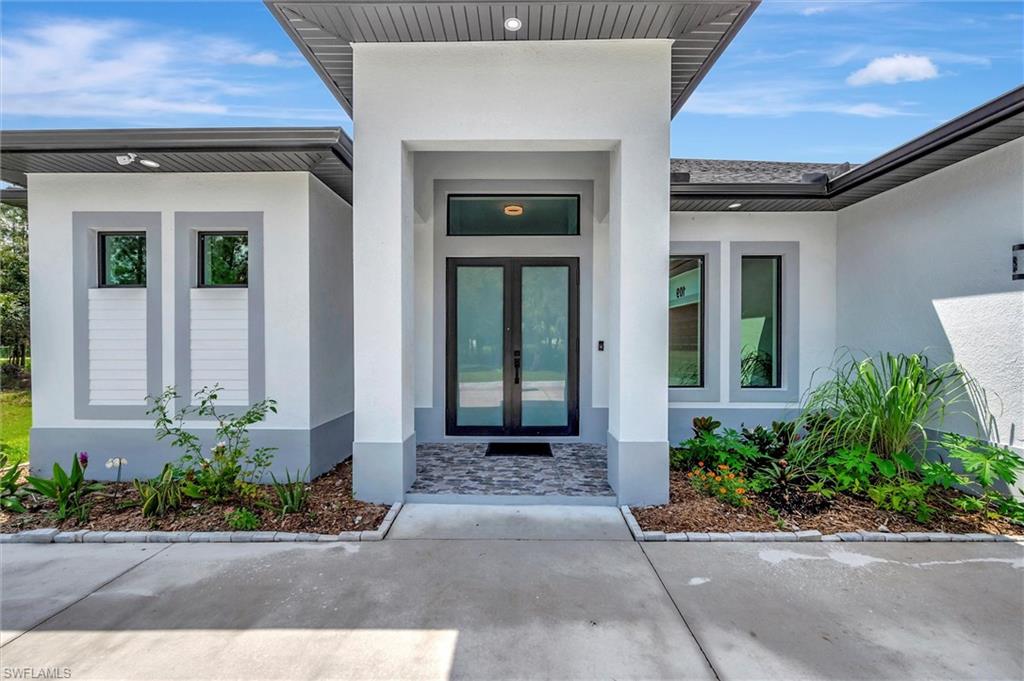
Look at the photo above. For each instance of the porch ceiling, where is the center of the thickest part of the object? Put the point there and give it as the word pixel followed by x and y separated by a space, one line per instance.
pixel 325 29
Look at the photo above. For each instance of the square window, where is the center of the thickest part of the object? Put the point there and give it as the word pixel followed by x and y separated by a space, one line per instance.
pixel 686 322
pixel 760 323
pixel 122 259
pixel 223 259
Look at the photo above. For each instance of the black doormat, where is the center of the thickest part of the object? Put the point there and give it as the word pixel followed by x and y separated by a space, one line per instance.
pixel 518 449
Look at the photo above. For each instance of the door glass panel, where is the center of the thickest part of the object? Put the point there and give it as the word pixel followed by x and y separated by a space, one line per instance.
pixel 480 334
pixel 545 334
pixel 759 321
pixel 513 215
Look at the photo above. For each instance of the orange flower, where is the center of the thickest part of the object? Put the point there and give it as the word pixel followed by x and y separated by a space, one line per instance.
pixel 722 467
pixel 718 478
pixel 700 463
pixel 731 476
pixel 721 490
pixel 740 490
pixel 690 474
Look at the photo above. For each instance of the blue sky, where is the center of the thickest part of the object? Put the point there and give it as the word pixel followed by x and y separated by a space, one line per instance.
pixel 832 80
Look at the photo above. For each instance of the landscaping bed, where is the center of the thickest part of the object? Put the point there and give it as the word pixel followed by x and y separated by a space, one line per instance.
pixel 329 509
pixel 690 511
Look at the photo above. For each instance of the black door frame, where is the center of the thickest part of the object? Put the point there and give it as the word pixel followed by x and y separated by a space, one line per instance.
pixel 512 305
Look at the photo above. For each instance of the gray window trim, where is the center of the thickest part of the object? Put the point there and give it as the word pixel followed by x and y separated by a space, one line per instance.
pixel 85 228
pixel 187 226
pixel 789 391
pixel 712 252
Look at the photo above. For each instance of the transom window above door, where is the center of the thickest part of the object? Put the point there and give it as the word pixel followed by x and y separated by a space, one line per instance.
pixel 513 215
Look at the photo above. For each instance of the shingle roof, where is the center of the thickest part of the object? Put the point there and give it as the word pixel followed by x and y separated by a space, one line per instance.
pixel 711 171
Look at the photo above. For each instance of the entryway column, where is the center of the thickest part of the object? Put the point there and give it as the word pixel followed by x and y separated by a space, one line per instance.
pixel 384 447
pixel 638 319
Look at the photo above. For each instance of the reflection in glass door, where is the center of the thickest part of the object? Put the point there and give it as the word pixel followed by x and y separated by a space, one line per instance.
pixel 512 346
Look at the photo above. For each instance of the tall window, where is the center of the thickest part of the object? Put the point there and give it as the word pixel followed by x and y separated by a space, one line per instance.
pixel 686 322
pixel 760 327
pixel 122 259
pixel 223 259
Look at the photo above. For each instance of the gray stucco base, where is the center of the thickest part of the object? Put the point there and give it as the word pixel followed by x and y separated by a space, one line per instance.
pixel 638 471
pixel 680 419
pixel 318 449
pixel 382 471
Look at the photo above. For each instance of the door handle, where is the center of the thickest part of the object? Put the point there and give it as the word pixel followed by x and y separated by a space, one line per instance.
pixel 515 365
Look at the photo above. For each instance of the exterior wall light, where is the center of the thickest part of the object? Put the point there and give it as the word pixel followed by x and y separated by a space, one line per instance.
pixel 734 206
pixel 149 163
pixel 131 157
pixel 513 24
pixel 513 210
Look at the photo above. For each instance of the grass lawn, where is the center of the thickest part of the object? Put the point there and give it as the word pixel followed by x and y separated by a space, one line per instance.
pixel 15 420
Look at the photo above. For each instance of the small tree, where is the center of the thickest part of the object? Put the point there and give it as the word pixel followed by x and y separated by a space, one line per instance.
pixel 14 301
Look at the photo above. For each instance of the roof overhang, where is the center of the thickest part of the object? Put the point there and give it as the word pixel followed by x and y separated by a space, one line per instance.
pixel 14 196
pixel 324 152
pixel 325 30
pixel 986 127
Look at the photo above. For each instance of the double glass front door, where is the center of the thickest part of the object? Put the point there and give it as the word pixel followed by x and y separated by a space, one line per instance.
pixel 512 346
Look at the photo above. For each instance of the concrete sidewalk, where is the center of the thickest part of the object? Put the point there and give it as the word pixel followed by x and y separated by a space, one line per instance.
pixel 498 609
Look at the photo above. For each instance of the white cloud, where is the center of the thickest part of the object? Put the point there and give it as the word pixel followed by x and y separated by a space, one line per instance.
pixel 784 98
pixel 86 68
pixel 813 10
pixel 898 68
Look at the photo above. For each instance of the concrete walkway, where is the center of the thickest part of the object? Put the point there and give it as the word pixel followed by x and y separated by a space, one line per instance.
pixel 515 609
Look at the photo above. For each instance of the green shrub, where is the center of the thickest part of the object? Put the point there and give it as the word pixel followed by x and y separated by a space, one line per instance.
pixel 291 494
pixel 243 520
pixel 705 424
pixel 903 497
pixel 162 494
pixel 12 491
pixel 70 491
pixel 882 404
pixel 721 482
pixel 712 449
pixel 231 465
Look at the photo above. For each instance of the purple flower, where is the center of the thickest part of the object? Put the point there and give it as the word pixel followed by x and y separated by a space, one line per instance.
pixel 83 458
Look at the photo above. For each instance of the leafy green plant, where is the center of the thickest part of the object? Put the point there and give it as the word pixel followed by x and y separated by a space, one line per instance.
pixel 162 494
pixel 771 442
pixel 882 404
pixel 903 497
pixel 231 463
pixel 12 491
pixel 714 448
pixel 243 520
pixel 986 462
pixel 721 482
pixel 70 491
pixel 705 424
pixel 291 494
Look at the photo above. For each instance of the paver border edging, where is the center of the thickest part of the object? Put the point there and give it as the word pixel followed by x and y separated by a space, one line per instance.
pixel 639 534
pixel 55 536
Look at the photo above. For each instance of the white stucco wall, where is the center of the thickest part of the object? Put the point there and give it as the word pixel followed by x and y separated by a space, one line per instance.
pixel 926 266
pixel 330 283
pixel 283 198
pixel 610 96
pixel 816 235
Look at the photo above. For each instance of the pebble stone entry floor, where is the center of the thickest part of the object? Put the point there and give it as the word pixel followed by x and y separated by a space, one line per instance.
pixel 575 470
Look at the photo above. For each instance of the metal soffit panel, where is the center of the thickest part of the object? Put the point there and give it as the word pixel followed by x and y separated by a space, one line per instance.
pixel 324 30
pixel 326 153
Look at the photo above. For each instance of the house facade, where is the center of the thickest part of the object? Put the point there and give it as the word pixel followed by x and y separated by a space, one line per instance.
pixel 517 258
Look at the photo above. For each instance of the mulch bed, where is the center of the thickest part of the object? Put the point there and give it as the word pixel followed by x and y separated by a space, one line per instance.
pixel 690 511
pixel 330 509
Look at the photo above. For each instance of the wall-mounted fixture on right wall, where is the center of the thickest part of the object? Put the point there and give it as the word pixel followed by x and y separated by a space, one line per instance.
pixel 1018 262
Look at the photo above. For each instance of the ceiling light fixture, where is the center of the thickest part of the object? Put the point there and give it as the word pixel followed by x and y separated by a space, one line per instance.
pixel 131 157
pixel 513 24
pixel 734 206
pixel 513 210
